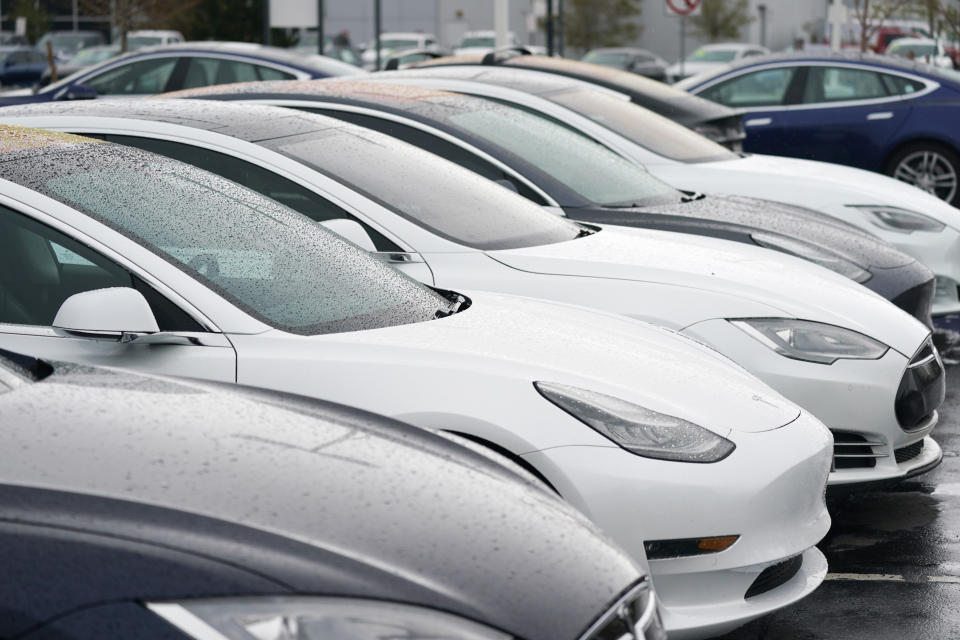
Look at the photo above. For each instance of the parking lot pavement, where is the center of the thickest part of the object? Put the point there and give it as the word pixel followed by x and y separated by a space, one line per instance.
pixel 894 559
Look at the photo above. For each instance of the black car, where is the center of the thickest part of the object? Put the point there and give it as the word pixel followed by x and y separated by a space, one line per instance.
pixel 137 506
pixel 632 59
pixel 21 66
pixel 574 176
pixel 719 123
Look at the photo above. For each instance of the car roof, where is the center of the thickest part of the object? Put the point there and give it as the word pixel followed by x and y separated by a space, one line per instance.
pixel 720 46
pixel 526 80
pixel 820 57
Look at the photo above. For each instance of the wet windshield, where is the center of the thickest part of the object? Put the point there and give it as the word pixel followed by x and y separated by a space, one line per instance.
pixel 587 168
pixel 478 41
pixel 270 261
pixel 436 194
pixel 642 126
pixel 712 55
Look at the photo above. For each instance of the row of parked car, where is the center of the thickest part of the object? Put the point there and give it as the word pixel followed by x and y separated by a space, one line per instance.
pixel 602 367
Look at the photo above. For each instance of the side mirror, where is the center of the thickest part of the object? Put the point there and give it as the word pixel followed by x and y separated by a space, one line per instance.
pixel 352 231
pixel 106 313
pixel 78 92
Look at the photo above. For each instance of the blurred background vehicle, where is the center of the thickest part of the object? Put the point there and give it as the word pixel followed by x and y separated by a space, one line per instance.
pixel 925 50
pixel 480 43
pixel 179 66
pixel 162 502
pixel 152 38
pixel 66 43
pixel 337 47
pixel 633 59
pixel 713 56
pixel 11 38
pixel 396 42
pixel 83 59
pixel 21 66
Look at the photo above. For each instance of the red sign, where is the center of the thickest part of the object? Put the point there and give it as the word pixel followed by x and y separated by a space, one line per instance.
pixel 683 7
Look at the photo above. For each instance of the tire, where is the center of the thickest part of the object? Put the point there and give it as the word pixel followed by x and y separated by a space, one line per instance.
pixel 931 166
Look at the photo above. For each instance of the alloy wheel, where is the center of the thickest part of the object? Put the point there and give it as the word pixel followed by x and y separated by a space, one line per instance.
pixel 929 170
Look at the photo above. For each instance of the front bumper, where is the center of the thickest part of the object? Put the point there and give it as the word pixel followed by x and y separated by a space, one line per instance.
pixel 769 491
pixel 856 399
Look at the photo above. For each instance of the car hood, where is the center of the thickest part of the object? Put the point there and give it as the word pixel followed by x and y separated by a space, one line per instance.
pixel 531 340
pixel 836 185
pixel 758 282
pixel 818 228
pixel 378 508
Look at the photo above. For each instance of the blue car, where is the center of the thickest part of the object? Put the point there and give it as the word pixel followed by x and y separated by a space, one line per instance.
pixel 185 66
pixel 892 116
pixel 21 66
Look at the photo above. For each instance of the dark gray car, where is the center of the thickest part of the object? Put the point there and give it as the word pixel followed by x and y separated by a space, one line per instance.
pixel 131 505
pixel 553 165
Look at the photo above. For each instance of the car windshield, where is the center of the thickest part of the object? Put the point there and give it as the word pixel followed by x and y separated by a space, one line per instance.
pixel 712 55
pixel 642 126
pixel 275 264
pixel 583 166
pixel 618 60
pixel 92 56
pixel 478 41
pixel 436 194
pixel 398 43
pixel 136 42
pixel 916 50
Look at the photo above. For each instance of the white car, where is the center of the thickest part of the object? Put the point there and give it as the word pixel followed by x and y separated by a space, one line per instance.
pixel 114 256
pixel 909 218
pixel 922 50
pixel 878 391
pixel 712 56
pixel 152 38
pixel 395 42
pixel 478 43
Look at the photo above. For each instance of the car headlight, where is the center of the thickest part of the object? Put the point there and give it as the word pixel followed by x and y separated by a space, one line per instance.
pixel 637 429
pixel 811 341
pixel 899 220
pixel 814 254
pixel 315 618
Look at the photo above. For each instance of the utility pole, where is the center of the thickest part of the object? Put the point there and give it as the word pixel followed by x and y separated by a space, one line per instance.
pixel 560 28
pixel 549 27
pixel 320 27
pixel 762 10
pixel 376 27
pixel 266 21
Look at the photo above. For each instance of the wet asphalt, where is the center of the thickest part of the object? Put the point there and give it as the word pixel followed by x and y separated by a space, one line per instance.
pixel 894 557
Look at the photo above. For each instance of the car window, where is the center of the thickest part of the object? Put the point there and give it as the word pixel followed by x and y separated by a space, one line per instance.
pixel 269 73
pixel 268 260
pixel 140 77
pixel 444 149
pixel 766 87
pixel 40 268
pixel 900 86
pixel 298 198
pixel 839 84
pixel 203 72
pixel 17 57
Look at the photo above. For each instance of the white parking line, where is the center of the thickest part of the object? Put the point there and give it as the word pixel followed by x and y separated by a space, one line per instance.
pixel 889 577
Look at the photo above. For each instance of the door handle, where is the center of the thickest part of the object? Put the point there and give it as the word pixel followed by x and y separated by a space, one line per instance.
pixel 880 115
pixel 758 122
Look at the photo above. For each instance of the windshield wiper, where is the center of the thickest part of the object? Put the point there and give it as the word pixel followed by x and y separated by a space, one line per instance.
pixel 691 196
pixel 453 308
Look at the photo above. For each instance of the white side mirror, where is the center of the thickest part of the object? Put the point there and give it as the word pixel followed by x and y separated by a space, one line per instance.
pixel 108 313
pixel 351 230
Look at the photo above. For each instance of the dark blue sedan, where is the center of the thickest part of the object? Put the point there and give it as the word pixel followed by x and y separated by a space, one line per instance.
pixel 21 66
pixel 882 114
pixel 184 66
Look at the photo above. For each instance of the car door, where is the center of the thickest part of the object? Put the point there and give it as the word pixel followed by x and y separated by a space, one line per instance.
pixel 846 114
pixel 40 267
pixel 762 94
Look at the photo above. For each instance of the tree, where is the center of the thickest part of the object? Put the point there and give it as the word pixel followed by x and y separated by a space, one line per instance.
pixel 37 20
pixel 601 23
pixel 240 20
pixel 721 19
pixel 870 15
pixel 128 15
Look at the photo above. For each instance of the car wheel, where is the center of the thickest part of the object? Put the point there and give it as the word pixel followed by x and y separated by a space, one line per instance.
pixel 929 166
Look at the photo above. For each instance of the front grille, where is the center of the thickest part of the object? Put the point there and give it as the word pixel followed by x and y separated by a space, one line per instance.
pixel 921 389
pixel 908 452
pixel 853 451
pixel 918 301
pixel 774 576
